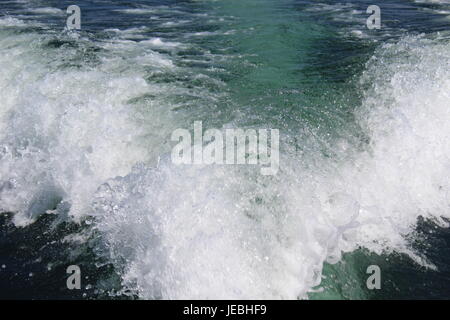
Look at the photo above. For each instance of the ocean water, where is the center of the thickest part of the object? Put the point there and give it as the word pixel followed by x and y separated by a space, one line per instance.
pixel 86 177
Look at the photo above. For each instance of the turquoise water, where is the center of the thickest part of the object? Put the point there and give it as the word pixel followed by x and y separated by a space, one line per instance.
pixel 86 176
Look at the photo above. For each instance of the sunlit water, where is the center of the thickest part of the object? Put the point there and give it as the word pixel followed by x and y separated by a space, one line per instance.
pixel 86 176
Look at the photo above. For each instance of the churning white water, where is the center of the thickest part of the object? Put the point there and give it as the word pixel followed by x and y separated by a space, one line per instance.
pixel 82 130
pixel 208 232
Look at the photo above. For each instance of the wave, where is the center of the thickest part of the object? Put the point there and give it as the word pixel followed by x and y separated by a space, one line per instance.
pixel 221 233
pixel 83 132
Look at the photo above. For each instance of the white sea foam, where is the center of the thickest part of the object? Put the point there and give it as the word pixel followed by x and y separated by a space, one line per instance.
pixel 80 138
pixel 158 42
pixel 64 131
pixel 215 232
pixel 47 10
pixel 11 22
pixel 137 11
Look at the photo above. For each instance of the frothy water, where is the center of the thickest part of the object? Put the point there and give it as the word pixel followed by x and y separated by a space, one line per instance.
pixel 85 129
pixel 220 233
